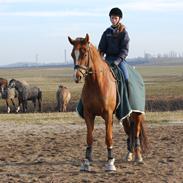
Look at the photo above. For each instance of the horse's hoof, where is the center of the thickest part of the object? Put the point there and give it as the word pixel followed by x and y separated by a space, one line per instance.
pixel 129 157
pixel 109 166
pixel 18 109
pixel 85 166
pixel 8 111
pixel 139 160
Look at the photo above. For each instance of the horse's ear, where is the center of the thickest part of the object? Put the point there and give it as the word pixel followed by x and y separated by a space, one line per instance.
pixel 87 38
pixel 71 40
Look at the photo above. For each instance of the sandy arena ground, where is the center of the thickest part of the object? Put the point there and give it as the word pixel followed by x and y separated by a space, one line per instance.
pixel 52 152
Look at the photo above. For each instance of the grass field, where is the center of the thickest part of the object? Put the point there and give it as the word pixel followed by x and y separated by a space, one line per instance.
pixel 163 83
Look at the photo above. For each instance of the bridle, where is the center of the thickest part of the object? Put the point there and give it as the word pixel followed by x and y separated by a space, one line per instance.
pixel 86 68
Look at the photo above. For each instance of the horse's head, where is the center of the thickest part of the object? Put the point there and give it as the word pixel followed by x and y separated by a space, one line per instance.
pixel 12 83
pixel 3 84
pixel 81 56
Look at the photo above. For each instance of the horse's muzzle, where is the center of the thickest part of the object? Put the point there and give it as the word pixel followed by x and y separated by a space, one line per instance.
pixel 77 76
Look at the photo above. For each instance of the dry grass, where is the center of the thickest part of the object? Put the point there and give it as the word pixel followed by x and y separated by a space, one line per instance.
pixel 73 118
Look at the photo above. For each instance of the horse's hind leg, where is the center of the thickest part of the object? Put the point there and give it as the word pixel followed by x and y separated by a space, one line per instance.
pixel 8 107
pixel 39 104
pixel 126 125
pixel 139 138
pixel 12 101
pixel 34 102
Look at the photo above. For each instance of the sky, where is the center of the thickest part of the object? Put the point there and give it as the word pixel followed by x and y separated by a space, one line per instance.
pixel 38 30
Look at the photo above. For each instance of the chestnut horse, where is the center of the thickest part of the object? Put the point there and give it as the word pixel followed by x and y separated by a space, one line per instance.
pixel 99 98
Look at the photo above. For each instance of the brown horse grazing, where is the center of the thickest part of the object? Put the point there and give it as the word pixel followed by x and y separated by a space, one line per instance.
pixel 63 97
pixel 7 94
pixel 3 86
pixel 99 97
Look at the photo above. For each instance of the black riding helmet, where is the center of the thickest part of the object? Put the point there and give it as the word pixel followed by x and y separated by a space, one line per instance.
pixel 116 12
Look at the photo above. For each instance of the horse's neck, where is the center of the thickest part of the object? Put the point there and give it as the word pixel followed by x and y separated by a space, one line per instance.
pixel 19 86
pixel 98 63
pixel 99 68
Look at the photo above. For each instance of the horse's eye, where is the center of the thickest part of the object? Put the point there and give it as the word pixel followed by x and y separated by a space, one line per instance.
pixel 83 50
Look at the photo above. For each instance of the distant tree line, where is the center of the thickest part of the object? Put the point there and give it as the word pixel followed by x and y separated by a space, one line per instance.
pixel 172 58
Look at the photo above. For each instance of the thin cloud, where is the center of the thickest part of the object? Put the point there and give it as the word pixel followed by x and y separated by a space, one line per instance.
pixel 50 14
pixel 27 1
pixel 156 5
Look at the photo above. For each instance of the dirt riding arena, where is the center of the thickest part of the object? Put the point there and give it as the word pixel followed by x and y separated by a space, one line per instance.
pixel 52 152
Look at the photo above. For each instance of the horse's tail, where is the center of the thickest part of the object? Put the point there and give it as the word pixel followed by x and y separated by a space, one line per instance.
pixel 143 138
pixel 39 99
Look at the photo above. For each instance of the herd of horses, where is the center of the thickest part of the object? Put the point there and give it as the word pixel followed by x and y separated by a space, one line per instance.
pixel 23 92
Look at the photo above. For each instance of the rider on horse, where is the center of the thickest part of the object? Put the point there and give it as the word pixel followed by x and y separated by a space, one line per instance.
pixel 114 42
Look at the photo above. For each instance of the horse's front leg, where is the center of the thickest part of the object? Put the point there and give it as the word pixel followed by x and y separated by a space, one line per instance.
pixel 85 166
pixel 12 101
pixel 109 125
pixel 8 107
pixel 18 108
pixel 24 104
pixel 64 107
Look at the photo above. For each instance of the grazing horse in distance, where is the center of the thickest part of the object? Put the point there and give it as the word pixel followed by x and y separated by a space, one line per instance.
pixel 7 94
pixel 3 84
pixel 99 98
pixel 25 93
pixel 3 87
pixel 63 97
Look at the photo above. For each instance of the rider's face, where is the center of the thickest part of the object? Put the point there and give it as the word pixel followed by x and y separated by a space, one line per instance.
pixel 114 20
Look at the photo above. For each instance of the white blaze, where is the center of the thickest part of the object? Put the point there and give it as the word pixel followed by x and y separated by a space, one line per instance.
pixel 76 52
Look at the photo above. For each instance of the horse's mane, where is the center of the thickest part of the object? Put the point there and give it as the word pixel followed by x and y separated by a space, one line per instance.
pixel 24 82
pixel 97 56
pixel 21 83
pixel 61 87
pixel 95 52
pixel 18 84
